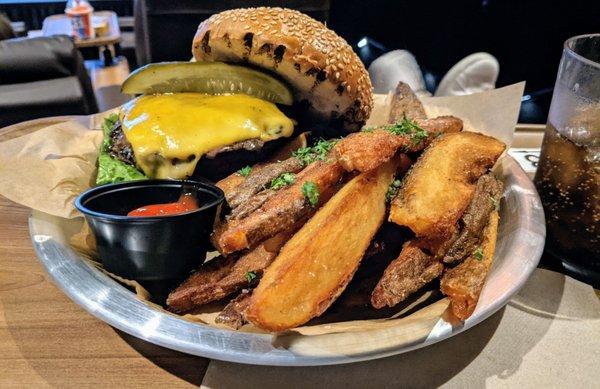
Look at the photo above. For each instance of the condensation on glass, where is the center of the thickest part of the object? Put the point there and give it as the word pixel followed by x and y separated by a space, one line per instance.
pixel 568 176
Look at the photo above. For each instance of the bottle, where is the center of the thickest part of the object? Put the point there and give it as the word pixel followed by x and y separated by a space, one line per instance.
pixel 80 15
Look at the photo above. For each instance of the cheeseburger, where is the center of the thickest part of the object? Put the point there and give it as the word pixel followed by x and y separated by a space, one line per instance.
pixel 259 76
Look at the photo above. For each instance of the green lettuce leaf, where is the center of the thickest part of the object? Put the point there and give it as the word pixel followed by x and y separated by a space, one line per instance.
pixel 112 170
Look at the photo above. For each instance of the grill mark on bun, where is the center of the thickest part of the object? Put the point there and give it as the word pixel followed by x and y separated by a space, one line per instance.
pixel 278 53
pixel 227 40
pixel 321 76
pixel 311 72
pixel 204 42
pixel 248 42
pixel 264 49
pixel 304 53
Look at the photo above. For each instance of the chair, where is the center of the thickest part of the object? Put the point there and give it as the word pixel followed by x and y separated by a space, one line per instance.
pixel 164 29
pixel 41 77
pixel 6 29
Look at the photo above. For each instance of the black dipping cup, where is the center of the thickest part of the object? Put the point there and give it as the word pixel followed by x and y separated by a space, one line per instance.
pixel 161 248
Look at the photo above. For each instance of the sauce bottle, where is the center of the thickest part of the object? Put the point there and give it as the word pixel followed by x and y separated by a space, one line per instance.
pixel 80 15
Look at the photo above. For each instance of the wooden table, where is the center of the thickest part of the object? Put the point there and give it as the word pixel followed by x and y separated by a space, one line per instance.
pixel 46 340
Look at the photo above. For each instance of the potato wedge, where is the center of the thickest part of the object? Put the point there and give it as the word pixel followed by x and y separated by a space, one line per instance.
pixel 280 211
pixel 366 150
pixel 315 266
pixel 224 276
pixel 405 103
pixel 406 274
pixel 441 184
pixel 231 184
pixel 463 283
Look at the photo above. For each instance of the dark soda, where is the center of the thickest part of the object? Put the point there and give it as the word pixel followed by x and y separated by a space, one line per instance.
pixel 568 181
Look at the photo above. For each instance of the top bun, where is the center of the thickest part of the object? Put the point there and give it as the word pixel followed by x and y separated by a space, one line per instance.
pixel 324 72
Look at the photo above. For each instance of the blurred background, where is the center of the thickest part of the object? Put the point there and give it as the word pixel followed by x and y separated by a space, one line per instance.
pixel 44 74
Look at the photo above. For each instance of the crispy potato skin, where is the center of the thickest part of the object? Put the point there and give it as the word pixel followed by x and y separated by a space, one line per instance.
pixel 440 186
pixel 233 314
pixel 405 275
pixel 226 276
pixel 405 103
pixel 230 183
pixel 315 266
pixel 181 299
pixel 463 283
pixel 281 211
pixel 365 151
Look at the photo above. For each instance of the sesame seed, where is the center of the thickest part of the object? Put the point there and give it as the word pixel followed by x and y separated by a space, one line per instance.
pixel 317 47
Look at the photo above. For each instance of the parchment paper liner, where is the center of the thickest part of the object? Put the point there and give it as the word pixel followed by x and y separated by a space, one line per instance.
pixel 46 169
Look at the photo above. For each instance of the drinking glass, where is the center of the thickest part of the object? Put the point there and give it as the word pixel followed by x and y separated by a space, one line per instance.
pixel 568 175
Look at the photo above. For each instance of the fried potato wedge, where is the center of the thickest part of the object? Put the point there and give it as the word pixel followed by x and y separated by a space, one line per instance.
pixel 239 189
pixel 366 150
pixel 233 314
pixel 463 283
pixel 408 273
pixel 441 184
pixel 181 299
pixel 281 211
pixel 315 266
pixel 229 183
pixel 260 177
pixel 227 276
pixel 405 103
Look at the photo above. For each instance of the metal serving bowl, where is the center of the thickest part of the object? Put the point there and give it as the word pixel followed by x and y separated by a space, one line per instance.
pixel 518 250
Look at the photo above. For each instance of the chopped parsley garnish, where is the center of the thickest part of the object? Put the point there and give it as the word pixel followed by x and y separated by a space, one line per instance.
pixel 494 202
pixel 304 154
pixel 393 190
pixel 405 127
pixel 478 254
pixel 323 146
pixel 319 151
pixel 311 193
pixel 250 276
pixel 283 180
pixel 245 171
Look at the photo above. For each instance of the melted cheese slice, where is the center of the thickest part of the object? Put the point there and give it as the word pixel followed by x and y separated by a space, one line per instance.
pixel 170 132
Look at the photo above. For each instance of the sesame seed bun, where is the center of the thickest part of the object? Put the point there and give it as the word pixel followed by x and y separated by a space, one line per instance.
pixel 324 72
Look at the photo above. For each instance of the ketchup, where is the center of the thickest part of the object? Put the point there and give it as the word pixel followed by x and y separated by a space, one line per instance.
pixel 187 202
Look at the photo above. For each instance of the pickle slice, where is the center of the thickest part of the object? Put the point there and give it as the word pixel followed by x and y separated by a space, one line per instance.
pixel 206 77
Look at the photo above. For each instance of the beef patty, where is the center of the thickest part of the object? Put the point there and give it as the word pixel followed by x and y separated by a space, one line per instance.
pixel 215 165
